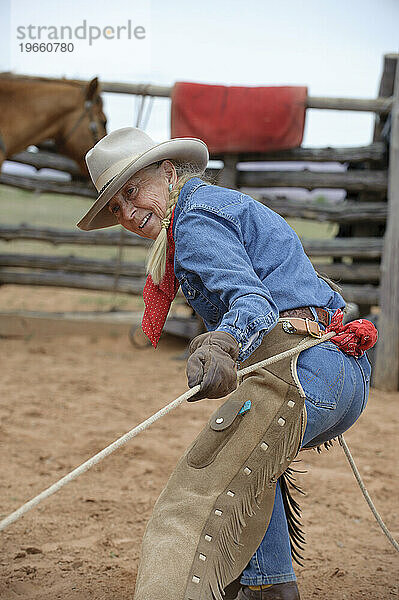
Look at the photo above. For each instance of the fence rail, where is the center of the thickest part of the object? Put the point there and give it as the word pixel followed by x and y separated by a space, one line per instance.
pixel 374 153
pixel 86 281
pixel 338 247
pixel 376 105
pixel 56 236
pixel 340 272
pixel 324 210
pixel 134 285
pixel 72 264
pixel 54 186
pixel 352 181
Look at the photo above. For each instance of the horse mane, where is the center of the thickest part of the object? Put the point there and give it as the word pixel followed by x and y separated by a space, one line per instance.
pixel 16 76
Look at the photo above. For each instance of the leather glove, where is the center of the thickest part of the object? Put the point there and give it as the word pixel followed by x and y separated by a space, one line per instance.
pixel 212 364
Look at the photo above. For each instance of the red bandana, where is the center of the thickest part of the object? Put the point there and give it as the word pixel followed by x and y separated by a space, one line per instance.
pixel 354 337
pixel 158 298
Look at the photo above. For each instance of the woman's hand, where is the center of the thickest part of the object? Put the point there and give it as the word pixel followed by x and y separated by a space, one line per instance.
pixel 212 364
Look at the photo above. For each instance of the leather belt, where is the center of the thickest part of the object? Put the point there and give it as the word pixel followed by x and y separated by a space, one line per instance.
pixel 304 312
pixel 301 326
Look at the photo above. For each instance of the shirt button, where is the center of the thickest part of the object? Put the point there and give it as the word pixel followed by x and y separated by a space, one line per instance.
pixel 239 345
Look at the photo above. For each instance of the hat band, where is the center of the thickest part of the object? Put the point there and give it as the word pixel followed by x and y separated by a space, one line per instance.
pixel 106 184
pixel 113 171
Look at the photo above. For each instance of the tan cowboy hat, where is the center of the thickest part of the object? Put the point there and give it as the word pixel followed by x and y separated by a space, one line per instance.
pixel 120 154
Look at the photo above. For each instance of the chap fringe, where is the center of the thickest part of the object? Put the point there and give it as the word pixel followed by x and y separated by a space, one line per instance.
pixel 229 536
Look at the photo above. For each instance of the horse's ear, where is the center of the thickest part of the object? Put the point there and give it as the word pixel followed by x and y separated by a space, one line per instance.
pixel 92 88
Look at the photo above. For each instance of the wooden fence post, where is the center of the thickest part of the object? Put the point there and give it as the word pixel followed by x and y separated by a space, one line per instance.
pixel 387 364
pixel 227 177
pixel 386 90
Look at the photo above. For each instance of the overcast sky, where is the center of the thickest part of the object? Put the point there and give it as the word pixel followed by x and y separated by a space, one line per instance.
pixel 335 47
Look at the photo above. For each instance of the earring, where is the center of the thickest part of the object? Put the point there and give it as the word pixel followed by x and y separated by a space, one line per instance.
pixel 170 187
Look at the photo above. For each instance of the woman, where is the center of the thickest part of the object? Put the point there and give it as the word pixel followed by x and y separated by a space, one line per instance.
pixel 243 269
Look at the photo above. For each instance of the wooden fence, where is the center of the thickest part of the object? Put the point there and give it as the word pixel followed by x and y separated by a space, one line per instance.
pixel 365 253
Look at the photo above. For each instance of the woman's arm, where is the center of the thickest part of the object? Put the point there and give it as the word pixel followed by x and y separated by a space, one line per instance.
pixel 210 246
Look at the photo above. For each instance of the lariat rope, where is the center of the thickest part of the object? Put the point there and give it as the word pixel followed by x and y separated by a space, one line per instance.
pixel 365 493
pixel 14 516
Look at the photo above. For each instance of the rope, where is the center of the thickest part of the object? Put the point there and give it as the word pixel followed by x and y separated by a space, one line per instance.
pixel 133 432
pixel 366 494
pixel 143 112
pixel 146 118
pixel 139 108
pixel 286 354
pixel 14 516
pixel 96 458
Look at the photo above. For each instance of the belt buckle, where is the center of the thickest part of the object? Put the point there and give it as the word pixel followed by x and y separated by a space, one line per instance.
pixel 313 329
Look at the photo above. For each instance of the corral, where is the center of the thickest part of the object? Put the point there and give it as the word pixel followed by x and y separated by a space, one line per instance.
pixel 70 395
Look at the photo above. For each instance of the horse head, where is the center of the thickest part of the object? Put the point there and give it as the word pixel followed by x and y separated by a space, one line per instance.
pixel 84 126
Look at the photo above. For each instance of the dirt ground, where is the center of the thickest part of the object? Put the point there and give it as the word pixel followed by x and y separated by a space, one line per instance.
pixel 64 399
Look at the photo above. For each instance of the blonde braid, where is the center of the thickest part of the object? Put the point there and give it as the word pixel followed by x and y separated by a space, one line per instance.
pixel 156 260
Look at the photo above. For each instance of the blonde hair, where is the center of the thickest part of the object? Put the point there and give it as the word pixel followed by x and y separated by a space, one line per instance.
pixel 156 260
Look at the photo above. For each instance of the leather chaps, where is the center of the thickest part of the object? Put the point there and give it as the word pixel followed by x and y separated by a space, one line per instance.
pixel 215 509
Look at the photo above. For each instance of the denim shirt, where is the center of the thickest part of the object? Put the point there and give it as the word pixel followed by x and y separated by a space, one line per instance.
pixel 240 264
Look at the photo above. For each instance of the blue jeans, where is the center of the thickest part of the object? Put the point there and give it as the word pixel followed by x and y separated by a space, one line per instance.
pixel 336 387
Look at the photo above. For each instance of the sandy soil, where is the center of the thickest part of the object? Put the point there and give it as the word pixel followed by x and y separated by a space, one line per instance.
pixel 45 299
pixel 64 399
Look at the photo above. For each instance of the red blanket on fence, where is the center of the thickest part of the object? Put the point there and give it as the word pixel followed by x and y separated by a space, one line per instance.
pixel 239 119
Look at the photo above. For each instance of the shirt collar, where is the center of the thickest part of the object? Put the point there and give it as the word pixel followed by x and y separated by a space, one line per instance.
pixel 185 194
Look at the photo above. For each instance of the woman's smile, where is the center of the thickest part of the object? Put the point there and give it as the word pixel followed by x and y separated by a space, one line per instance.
pixel 145 220
pixel 141 204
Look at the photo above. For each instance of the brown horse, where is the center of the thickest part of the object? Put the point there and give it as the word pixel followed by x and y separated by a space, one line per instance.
pixel 36 109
